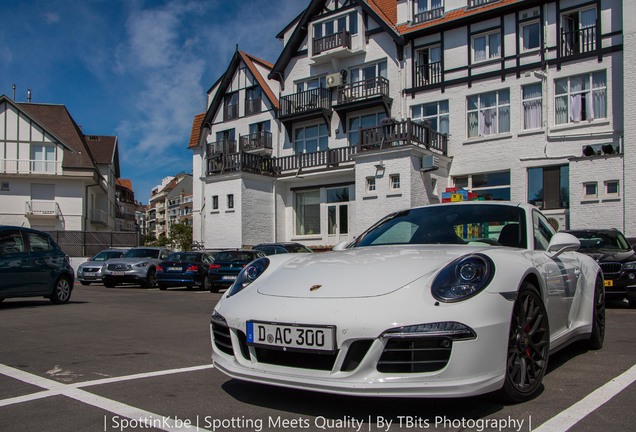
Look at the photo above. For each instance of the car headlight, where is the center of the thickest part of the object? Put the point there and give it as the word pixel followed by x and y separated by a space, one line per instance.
pixel 630 266
pixel 141 265
pixel 249 274
pixel 463 278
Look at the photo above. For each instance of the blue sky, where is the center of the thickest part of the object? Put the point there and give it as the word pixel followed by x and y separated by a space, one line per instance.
pixel 133 68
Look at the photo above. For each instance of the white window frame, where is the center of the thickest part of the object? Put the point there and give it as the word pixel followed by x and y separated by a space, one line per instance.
pixel 588 194
pixel 371 186
pixel 482 113
pixel 607 186
pixel 353 132
pixel 531 100
pixel 522 38
pixel 311 83
pixel 418 114
pixel 215 202
pixel 394 182
pixel 230 201
pixel 319 138
pixel 489 54
pixel 589 94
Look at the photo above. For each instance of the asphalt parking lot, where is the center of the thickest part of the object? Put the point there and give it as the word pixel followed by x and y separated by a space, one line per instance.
pixel 113 357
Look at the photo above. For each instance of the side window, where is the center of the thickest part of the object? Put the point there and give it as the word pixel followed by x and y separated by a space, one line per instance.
pixel 279 250
pixel 38 242
pixel 543 231
pixel 11 242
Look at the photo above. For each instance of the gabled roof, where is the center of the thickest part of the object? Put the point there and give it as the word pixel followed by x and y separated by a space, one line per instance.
pixel 125 183
pixel 105 150
pixel 226 79
pixel 195 135
pixel 384 12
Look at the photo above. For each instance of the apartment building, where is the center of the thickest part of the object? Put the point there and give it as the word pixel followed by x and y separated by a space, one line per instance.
pixel 165 205
pixel 52 176
pixel 376 106
pixel 126 207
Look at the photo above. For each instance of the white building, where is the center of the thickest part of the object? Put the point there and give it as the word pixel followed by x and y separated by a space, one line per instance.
pixel 52 177
pixel 382 105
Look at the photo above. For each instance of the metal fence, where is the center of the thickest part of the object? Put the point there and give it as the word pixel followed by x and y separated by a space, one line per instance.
pixel 86 243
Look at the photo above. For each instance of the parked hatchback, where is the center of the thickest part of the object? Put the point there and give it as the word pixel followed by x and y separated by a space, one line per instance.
pixel 228 264
pixel 184 268
pixel 91 270
pixel 33 265
pixel 138 266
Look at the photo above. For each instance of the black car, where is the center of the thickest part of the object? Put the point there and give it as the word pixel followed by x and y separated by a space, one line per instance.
pixel 281 248
pixel 184 268
pixel 33 265
pixel 617 259
pixel 228 264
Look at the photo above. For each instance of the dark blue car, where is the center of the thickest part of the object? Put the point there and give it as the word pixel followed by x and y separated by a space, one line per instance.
pixel 184 268
pixel 228 264
pixel 33 265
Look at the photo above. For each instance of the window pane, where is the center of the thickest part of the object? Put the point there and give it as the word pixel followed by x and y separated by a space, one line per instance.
pixel 494 45
pixel 308 213
pixel 338 195
pixel 535 186
pixel 479 48
pixel 531 36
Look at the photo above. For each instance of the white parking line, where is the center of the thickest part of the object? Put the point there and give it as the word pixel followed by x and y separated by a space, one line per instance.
pixel 571 416
pixel 54 388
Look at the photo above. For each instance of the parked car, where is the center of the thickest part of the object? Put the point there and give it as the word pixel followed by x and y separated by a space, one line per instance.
pixel 184 268
pixel 228 264
pixel 281 248
pixel 138 265
pixel 91 270
pixel 617 259
pixel 33 265
pixel 447 300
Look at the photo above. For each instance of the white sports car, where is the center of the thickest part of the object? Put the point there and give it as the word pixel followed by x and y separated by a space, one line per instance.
pixel 446 300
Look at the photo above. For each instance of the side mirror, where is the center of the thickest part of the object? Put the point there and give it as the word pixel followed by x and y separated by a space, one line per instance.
pixel 563 242
pixel 341 246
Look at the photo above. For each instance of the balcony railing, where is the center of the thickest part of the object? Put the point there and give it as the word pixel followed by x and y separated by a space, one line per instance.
pixel 362 90
pixel 429 15
pixel 329 157
pixel 42 208
pixel 403 133
pixel 578 41
pixel 429 73
pixel 233 162
pixel 98 216
pixel 309 100
pixel 124 215
pixel 224 146
pixel 256 141
pixel 477 3
pixel 341 39
pixel 26 166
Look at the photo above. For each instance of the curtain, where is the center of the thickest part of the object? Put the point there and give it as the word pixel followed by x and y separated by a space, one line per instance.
pixel 561 109
pixel 494 45
pixel 479 48
pixel 532 106
pixel 488 121
pixel 576 86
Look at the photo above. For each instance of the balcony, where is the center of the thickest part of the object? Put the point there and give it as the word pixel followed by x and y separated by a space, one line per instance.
pixel 42 208
pixel 124 215
pixel 224 146
pixel 404 133
pixel 428 74
pixel 306 105
pixel 97 216
pixel 428 15
pixel 578 41
pixel 341 39
pixel 360 95
pixel 30 166
pixel 478 3
pixel 257 143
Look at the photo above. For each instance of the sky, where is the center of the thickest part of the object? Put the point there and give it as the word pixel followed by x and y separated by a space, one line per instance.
pixel 137 69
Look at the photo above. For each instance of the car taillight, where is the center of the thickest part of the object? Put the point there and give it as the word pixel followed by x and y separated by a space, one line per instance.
pixel 159 268
pixel 214 266
pixel 193 268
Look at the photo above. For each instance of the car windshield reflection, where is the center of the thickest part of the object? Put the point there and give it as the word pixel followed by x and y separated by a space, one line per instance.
pixel 142 253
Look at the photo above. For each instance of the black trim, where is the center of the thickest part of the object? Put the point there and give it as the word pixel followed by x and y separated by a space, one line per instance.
pixel 578 7
pixel 326 186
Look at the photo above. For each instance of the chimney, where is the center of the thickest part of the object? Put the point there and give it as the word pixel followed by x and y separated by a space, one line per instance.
pixel 13 87
pixel 28 95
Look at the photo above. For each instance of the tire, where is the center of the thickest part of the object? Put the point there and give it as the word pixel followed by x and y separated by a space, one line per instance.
pixel 162 287
pixel 205 283
pixel 109 283
pixel 632 304
pixel 188 287
pixel 528 347
pixel 151 279
pixel 85 283
pixel 598 319
pixel 214 288
pixel 1 299
pixel 61 291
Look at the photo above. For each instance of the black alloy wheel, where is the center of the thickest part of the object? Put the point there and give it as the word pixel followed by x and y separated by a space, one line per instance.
pixel 528 346
pixel 151 279
pixel 598 319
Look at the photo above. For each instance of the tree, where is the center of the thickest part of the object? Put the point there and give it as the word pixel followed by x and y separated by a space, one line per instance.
pixel 181 235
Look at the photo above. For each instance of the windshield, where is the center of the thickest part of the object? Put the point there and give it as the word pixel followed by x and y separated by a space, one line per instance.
pixel 142 253
pixel 602 240
pixel 298 248
pixel 106 255
pixel 184 257
pixel 234 256
pixel 473 224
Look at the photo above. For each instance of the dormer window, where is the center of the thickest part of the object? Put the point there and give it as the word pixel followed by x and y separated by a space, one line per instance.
pixel 427 10
pixel 335 33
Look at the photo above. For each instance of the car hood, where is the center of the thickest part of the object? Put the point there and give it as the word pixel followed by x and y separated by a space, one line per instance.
pixel 601 255
pixel 130 261
pixel 359 272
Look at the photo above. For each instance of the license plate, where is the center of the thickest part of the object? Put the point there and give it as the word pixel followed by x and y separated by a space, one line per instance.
pixel 228 277
pixel 292 337
pixel 174 268
pixel 117 273
pixel 609 283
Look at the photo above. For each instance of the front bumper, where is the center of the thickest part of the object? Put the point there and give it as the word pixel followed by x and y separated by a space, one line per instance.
pixel 473 366
pixel 134 275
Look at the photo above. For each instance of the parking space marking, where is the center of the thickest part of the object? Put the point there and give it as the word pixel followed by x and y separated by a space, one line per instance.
pixel 572 415
pixel 73 391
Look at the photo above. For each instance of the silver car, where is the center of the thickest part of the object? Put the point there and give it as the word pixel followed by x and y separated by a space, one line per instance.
pixel 138 266
pixel 91 270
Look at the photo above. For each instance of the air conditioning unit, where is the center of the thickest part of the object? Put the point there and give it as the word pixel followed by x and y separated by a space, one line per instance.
pixel 334 80
pixel 430 163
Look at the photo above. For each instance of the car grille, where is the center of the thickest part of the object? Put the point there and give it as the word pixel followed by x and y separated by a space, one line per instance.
pixel 91 269
pixel 296 359
pixel 119 267
pixel 426 354
pixel 611 267
pixel 222 338
pixel 356 352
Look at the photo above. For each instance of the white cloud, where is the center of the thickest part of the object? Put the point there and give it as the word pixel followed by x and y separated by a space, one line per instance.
pixel 51 17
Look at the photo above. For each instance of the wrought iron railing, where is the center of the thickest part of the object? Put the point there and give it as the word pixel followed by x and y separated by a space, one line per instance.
pixel 429 15
pixel 477 3
pixel 429 73
pixel 256 141
pixel 395 134
pixel 578 41
pixel 365 89
pixel 336 40
pixel 223 146
pixel 308 100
